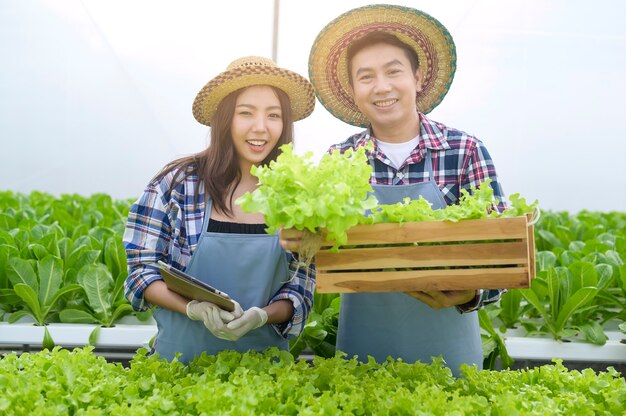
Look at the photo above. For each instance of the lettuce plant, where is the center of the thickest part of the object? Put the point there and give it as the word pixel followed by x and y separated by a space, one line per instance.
pixel 40 288
pixel 328 197
pixel 294 192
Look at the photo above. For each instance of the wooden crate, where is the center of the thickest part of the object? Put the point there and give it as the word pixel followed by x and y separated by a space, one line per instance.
pixel 491 253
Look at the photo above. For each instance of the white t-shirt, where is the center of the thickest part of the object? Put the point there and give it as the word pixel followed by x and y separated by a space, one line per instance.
pixel 398 152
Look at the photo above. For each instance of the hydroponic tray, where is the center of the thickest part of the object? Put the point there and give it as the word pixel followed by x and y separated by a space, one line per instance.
pixel 524 347
pixel 130 334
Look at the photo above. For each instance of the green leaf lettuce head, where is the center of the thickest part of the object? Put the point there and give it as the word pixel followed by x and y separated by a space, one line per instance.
pixel 293 192
pixel 477 203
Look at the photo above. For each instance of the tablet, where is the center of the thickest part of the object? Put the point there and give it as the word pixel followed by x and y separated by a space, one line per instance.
pixel 192 288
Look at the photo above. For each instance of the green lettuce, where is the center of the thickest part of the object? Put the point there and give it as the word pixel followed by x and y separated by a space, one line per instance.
pixel 329 197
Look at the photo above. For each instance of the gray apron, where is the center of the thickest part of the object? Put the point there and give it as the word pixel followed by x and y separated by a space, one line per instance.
pixel 399 326
pixel 251 268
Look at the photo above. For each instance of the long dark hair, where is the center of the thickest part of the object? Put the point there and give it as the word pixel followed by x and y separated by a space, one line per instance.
pixel 217 166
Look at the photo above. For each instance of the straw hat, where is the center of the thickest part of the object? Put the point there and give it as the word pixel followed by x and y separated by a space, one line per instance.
pixel 254 70
pixel 328 66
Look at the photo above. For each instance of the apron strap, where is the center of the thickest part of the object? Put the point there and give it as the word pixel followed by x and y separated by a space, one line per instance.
pixel 429 165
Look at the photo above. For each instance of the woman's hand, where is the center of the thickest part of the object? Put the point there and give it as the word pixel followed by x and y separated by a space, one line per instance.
pixel 290 239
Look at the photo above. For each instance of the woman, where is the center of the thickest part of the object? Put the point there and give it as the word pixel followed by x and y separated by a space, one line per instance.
pixel 186 218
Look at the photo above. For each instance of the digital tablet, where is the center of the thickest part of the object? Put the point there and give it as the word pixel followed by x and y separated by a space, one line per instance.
pixel 192 288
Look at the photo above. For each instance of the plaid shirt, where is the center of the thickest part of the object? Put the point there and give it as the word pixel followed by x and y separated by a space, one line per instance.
pixel 166 225
pixel 459 161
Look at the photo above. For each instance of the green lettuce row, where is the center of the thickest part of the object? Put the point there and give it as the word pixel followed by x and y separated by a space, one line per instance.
pixel 580 287
pixel 73 214
pixel 62 259
pixel 81 383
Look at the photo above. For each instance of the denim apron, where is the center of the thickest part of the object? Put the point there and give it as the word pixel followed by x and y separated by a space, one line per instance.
pixel 251 268
pixel 397 325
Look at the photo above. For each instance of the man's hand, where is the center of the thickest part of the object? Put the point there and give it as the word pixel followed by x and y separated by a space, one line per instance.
pixel 290 239
pixel 251 319
pixel 444 298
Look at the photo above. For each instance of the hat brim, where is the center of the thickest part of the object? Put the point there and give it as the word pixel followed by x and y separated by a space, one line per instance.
pixel 297 88
pixel 328 65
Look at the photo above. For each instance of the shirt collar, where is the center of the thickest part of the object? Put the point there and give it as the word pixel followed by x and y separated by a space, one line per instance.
pixel 373 152
pixel 432 135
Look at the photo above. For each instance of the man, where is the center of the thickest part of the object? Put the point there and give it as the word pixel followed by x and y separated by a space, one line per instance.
pixel 384 67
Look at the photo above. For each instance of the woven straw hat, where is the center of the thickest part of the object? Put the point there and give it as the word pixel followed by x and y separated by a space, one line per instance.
pixel 254 70
pixel 328 66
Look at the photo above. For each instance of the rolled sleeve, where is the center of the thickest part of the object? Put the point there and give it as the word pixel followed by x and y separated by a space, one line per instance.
pixel 134 286
pixel 146 239
pixel 299 290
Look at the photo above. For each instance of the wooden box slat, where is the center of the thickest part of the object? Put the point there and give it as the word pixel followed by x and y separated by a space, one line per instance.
pixel 492 253
pixel 423 256
pixel 419 280
pixel 438 231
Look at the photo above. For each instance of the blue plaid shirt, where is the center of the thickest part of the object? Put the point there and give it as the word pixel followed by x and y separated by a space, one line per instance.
pixel 459 161
pixel 164 225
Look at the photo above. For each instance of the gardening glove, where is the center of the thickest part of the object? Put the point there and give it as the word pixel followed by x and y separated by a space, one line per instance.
pixel 237 312
pixel 213 317
pixel 214 323
pixel 251 319
pixel 196 309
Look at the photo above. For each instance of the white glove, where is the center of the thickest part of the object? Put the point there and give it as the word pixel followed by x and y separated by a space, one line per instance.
pixel 237 312
pixel 196 310
pixel 251 319
pixel 199 311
